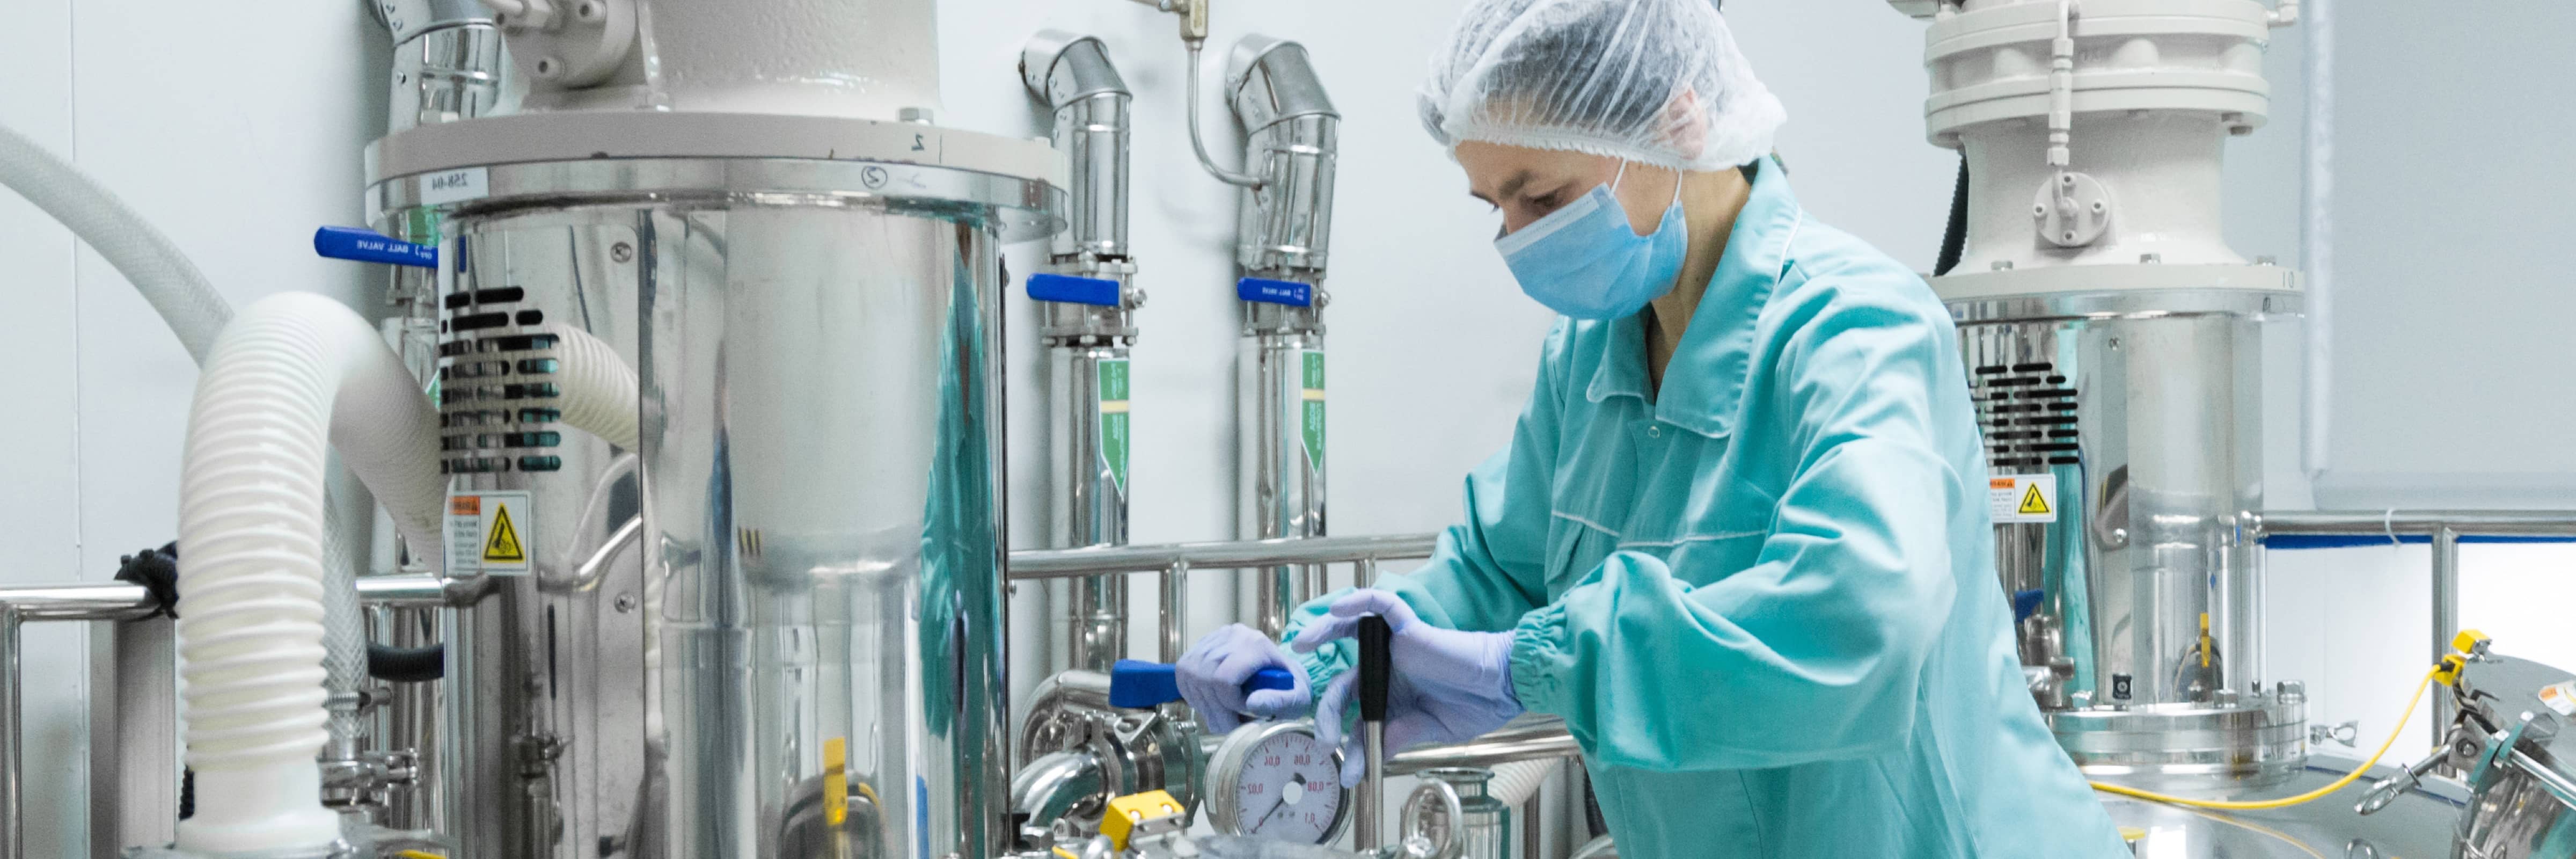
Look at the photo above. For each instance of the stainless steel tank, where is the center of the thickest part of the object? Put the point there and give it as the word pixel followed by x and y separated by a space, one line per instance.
pixel 2124 437
pixel 543 749
pixel 819 573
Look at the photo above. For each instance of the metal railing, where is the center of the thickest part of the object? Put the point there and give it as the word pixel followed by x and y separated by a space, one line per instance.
pixel 2444 530
pixel 118 601
pixel 1175 560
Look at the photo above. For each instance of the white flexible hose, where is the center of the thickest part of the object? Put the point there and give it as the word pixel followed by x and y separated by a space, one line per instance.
pixel 1514 783
pixel 294 370
pixel 173 285
pixel 598 386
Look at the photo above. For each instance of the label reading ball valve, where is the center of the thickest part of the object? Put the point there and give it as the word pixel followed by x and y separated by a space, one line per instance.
pixel 364 245
pixel 1266 291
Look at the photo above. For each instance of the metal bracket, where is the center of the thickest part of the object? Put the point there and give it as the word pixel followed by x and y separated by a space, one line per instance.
pixel 2072 209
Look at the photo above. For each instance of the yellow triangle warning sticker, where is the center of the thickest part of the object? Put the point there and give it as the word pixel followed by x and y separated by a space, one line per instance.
pixel 2032 504
pixel 502 545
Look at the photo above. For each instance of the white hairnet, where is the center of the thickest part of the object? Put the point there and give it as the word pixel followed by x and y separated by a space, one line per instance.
pixel 1653 81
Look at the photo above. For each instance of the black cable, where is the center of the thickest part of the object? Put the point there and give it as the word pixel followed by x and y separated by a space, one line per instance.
pixel 1954 240
pixel 406 664
pixel 157 570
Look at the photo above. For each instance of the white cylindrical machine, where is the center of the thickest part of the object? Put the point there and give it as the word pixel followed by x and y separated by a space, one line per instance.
pixel 748 203
pixel 2114 345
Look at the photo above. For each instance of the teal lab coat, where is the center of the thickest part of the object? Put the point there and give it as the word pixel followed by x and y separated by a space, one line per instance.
pixel 1764 598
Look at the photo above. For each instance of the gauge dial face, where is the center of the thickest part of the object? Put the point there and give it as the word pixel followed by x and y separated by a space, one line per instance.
pixel 1290 790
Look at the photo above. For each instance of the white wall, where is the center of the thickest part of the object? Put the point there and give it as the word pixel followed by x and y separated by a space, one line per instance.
pixel 238 134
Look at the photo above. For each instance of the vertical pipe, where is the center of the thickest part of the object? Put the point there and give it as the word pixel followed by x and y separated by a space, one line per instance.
pixel 2446 614
pixel 1365 574
pixel 134 736
pixel 1089 441
pixel 1530 829
pixel 1088 342
pixel 13 834
pixel 1283 233
pixel 1175 609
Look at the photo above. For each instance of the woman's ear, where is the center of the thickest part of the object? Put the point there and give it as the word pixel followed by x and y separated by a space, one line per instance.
pixel 1684 125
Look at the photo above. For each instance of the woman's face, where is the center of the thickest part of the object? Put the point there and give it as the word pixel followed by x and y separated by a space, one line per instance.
pixel 1526 184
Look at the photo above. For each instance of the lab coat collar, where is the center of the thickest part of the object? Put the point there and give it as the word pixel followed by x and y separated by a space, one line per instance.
pixel 1708 372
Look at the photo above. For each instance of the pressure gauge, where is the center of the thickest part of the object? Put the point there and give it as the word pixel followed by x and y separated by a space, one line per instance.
pixel 1276 781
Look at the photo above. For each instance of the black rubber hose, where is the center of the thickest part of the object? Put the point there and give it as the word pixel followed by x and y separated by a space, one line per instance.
pixel 1954 240
pixel 406 664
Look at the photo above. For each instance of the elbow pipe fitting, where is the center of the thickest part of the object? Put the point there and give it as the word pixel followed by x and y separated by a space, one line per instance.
pixel 1054 787
pixel 1291 145
pixel 1073 75
pixel 294 375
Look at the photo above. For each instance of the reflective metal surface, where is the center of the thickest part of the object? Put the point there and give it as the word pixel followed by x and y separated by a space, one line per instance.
pixel 1283 232
pixel 1049 564
pixel 1291 143
pixel 542 744
pixel 1279 397
pixel 18 605
pixel 822 468
pixel 1529 737
pixel 447 74
pixel 133 735
pixel 2524 772
pixel 1088 444
pixel 1087 345
pixel 2417 825
pixel 1484 823
pixel 2143 411
pixel 1074 740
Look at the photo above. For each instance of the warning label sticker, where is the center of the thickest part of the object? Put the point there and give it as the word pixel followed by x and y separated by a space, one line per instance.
pixel 2022 498
pixel 2560 696
pixel 491 532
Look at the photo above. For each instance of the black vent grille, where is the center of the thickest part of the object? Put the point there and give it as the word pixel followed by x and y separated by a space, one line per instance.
pixel 500 408
pixel 2028 414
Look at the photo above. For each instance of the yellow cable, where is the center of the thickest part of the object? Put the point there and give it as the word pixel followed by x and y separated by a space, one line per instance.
pixel 2310 796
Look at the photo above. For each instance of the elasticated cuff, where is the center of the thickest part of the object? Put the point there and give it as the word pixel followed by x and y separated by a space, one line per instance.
pixel 1540 660
pixel 1321 666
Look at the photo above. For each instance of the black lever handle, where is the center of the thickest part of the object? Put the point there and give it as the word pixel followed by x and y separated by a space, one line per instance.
pixel 1376 667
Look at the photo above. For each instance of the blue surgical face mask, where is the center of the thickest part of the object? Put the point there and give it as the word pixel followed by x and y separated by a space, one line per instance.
pixel 1584 260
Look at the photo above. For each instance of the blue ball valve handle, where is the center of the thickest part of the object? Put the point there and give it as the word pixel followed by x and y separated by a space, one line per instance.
pixel 1138 683
pixel 364 245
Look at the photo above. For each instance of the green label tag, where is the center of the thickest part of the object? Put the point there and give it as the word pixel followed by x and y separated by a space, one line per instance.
pixel 1314 411
pixel 1113 420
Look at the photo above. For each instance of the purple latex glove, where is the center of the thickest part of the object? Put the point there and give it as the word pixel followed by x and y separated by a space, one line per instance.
pixel 1211 678
pixel 1447 685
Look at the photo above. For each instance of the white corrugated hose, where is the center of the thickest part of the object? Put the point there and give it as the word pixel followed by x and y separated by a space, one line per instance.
pixel 598 386
pixel 295 370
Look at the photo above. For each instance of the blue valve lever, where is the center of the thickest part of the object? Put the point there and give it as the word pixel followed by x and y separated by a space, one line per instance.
pixel 1138 683
pixel 366 245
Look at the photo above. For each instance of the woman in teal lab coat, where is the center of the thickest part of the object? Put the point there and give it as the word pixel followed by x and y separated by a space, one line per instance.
pixel 1740 539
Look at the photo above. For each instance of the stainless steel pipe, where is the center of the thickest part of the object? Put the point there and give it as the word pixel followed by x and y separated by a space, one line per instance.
pixel 1027 565
pixel 1528 738
pixel 42 602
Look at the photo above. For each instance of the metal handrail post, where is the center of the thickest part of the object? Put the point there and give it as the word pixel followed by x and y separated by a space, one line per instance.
pixel 2446 617
pixel 43 602
pixel 12 816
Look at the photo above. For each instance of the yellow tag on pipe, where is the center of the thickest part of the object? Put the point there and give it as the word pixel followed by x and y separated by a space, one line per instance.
pixel 836 781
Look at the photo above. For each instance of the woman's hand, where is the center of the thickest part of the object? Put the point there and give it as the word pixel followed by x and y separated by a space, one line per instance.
pixel 1446 686
pixel 1211 678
